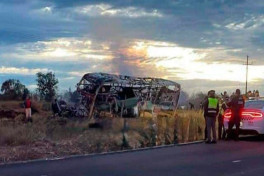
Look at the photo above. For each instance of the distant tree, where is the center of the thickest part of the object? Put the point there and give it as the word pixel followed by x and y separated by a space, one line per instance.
pixel 35 95
pixel 25 93
pixel 47 85
pixel 14 89
pixel 197 99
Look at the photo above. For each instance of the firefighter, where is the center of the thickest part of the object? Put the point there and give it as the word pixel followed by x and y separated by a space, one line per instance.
pixel 236 105
pixel 211 109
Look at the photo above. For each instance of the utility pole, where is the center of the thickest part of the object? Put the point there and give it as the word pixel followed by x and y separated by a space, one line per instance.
pixel 247 74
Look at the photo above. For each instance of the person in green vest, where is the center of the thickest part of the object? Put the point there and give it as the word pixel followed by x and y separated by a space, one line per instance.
pixel 211 109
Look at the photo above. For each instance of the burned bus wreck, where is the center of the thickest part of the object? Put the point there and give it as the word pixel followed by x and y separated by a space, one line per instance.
pixel 125 96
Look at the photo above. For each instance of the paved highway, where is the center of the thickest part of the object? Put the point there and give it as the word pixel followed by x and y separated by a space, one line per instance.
pixel 245 157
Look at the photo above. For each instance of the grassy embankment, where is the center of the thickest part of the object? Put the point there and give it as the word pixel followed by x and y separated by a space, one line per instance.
pixel 54 137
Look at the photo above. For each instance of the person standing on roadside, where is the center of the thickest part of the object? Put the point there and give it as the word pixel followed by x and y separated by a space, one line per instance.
pixel 203 105
pixel 236 105
pixel 221 130
pixel 27 105
pixel 211 109
pixel 225 97
pixel 257 94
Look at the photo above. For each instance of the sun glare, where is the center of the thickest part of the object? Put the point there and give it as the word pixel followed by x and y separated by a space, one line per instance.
pixel 59 52
pixel 189 63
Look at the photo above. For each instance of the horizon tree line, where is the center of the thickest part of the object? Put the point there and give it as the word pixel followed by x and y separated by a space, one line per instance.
pixel 47 88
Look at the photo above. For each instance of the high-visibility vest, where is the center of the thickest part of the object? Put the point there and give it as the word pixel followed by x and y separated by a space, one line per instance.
pixel 212 105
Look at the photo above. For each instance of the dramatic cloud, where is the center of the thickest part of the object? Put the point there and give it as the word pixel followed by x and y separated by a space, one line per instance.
pixel 182 40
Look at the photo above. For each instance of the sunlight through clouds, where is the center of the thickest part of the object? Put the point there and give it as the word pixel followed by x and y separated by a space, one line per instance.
pixel 175 61
pixel 20 71
pixel 192 62
pixel 59 52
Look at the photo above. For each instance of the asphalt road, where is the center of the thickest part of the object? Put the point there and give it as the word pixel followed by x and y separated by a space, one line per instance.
pixel 245 157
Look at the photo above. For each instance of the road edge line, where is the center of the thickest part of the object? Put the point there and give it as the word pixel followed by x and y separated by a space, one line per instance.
pixel 100 154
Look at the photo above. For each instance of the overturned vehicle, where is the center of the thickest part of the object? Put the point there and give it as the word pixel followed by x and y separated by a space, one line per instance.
pixel 126 96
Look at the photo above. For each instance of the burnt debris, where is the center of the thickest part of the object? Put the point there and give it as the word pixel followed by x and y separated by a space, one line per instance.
pixel 125 96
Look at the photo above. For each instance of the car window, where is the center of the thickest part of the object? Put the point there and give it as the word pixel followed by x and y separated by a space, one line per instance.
pixel 254 104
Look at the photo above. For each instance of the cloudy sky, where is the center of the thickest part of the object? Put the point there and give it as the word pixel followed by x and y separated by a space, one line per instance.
pixel 201 44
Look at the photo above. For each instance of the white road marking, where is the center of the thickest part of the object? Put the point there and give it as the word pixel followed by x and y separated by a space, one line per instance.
pixel 236 161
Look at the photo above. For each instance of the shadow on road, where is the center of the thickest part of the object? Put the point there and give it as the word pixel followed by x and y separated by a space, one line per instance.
pixel 257 138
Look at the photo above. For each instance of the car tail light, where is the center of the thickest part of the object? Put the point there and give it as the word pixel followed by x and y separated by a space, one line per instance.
pixel 247 114
pixel 250 114
pixel 227 114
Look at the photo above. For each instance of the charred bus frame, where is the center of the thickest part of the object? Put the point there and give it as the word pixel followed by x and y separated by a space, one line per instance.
pixel 108 89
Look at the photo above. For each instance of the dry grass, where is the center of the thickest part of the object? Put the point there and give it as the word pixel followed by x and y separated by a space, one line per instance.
pixel 49 137
pixel 10 104
pixel 190 125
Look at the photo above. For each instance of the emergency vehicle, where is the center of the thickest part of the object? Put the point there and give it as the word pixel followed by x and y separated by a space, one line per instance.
pixel 252 121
